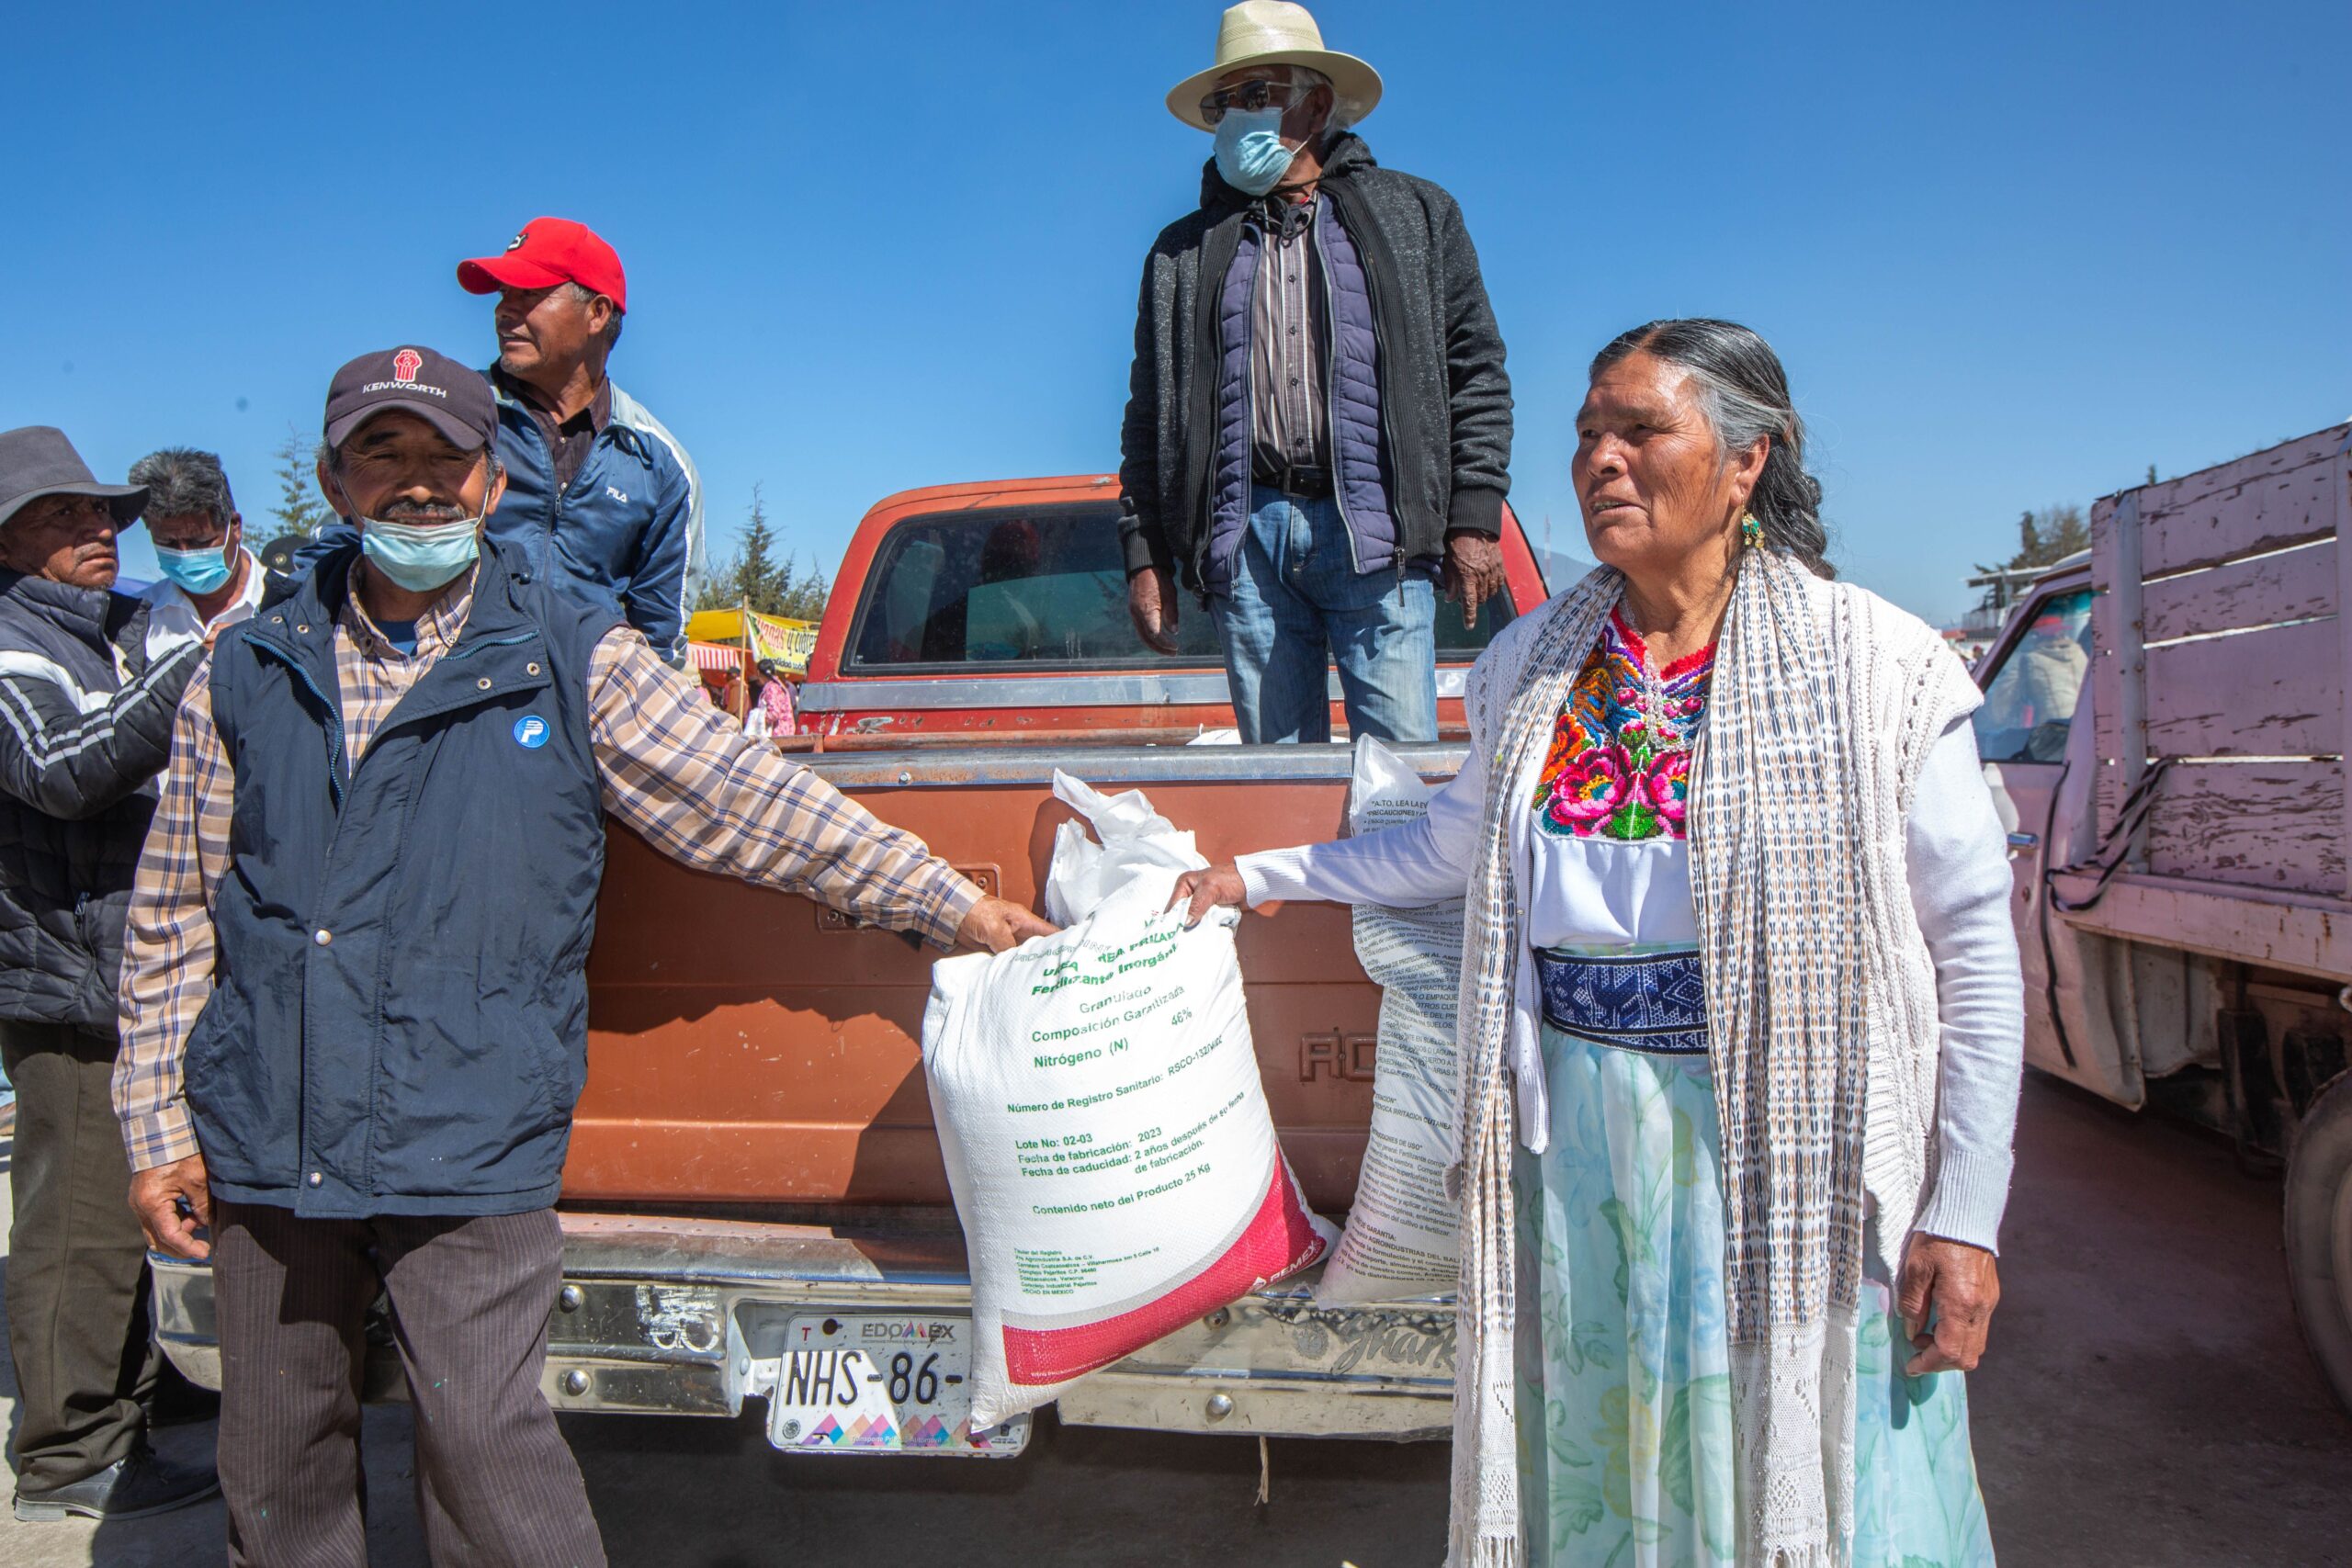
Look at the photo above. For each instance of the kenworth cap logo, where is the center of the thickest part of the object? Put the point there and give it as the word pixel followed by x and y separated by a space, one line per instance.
pixel 405 364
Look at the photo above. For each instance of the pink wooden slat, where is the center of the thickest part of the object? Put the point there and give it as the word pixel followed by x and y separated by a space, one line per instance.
pixel 2203 486
pixel 2107 786
pixel 2106 794
pixel 2342 462
pixel 2129 615
pixel 2107 680
pixel 2277 825
pixel 2283 931
pixel 2287 587
pixel 2263 502
pixel 2272 693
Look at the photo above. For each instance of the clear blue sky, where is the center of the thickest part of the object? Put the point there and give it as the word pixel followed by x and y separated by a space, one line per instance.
pixel 2012 252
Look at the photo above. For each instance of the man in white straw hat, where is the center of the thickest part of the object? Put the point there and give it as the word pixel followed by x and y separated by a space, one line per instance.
pixel 1318 425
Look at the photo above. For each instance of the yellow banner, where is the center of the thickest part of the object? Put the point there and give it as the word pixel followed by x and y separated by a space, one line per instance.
pixel 789 643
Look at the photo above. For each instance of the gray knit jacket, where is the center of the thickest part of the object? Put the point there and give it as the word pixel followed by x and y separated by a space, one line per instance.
pixel 1446 397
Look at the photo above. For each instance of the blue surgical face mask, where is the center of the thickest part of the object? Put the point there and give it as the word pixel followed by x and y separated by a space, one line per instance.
pixel 197 572
pixel 1250 149
pixel 421 557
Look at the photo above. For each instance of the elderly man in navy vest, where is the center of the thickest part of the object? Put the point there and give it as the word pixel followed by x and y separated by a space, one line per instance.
pixel 355 996
pixel 1318 423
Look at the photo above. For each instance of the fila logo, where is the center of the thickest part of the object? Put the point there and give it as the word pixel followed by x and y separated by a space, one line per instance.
pixel 621 496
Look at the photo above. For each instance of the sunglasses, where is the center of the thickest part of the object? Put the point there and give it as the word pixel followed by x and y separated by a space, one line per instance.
pixel 1252 97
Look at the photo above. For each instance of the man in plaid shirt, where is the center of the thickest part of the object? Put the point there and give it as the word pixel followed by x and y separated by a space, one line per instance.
pixel 354 993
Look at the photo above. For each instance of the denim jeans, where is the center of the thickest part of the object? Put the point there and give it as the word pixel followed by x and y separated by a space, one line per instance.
pixel 1297 603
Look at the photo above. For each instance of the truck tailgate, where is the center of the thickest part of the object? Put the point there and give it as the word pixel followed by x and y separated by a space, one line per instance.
pixel 750 1048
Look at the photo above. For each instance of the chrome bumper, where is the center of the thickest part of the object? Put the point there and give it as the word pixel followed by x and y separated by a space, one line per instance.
pixel 686 1317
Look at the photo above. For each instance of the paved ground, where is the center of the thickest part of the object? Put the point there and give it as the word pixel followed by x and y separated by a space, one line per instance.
pixel 2149 1405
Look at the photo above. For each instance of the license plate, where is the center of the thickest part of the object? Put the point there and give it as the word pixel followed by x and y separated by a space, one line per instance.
pixel 864 1383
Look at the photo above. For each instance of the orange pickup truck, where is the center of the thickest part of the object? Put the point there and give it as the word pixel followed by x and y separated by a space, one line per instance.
pixel 755 1203
pixel 969 614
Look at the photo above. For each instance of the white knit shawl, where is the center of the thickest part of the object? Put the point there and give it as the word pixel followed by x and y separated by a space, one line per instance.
pixel 1823 1034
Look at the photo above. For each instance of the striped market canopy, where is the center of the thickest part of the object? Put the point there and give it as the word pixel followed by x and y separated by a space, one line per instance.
pixel 716 659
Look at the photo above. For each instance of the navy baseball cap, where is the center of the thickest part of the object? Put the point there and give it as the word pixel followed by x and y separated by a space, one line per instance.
pixel 452 398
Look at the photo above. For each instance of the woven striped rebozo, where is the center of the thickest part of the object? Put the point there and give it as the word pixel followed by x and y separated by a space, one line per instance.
pixel 1824 703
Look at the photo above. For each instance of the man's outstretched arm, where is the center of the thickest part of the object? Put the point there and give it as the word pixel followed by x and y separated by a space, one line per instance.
pixel 711 798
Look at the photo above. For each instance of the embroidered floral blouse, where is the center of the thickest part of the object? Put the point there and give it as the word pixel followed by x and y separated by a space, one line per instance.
pixel 1610 857
pixel 1620 763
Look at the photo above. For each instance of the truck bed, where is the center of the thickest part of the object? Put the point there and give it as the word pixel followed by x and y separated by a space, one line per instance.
pixel 2221 658
pixel 747 1049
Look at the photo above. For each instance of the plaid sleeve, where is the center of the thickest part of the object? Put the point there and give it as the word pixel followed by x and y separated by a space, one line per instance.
pixel 679 772
pixel 167 948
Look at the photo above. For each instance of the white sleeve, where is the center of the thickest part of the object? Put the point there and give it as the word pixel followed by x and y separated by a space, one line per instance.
pixel 1403 867
pixel 1960 884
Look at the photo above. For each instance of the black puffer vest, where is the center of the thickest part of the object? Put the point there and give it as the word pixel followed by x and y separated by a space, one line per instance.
pixel 70 825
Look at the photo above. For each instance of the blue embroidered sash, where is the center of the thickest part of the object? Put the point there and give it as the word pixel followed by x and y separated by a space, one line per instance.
pixel 1653 1001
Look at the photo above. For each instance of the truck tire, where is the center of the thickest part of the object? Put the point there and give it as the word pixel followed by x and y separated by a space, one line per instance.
pixel 2319 1233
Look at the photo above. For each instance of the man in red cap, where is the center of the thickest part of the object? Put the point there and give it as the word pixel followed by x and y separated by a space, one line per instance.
pixel 581 454
pixel 582 458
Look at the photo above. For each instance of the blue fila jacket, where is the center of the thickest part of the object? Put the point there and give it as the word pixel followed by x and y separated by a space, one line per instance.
pixel 627 533
pixel 625 536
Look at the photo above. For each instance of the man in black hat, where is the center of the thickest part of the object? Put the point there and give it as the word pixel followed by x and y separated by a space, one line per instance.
pixel 355 1001
pixel 85 721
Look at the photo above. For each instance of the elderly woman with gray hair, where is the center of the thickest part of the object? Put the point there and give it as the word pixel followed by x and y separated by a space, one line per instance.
pixel 1737 959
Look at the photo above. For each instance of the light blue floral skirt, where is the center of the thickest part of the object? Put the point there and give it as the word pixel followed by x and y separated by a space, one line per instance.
pixel 1625 1419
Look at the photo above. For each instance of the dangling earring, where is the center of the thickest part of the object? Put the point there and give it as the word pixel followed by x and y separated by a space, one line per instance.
pixel 1752 532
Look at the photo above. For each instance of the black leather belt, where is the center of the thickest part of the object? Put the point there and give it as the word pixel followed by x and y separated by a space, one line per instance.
pixel 1314 484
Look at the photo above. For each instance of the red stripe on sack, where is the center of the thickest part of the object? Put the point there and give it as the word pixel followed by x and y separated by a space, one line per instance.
pixel 1279 1242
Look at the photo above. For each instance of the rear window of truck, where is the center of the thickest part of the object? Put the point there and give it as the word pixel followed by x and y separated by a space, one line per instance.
pixel 1039 588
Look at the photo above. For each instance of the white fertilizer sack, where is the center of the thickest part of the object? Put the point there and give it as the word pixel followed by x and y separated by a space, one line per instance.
pixel 1105 1127
pixel 1401 1238
pixel 1134 838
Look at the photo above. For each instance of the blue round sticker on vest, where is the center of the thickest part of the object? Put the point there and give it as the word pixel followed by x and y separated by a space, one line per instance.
pixel 531 732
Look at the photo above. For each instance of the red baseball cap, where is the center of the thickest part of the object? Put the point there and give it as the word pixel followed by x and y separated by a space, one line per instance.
pixel 547 252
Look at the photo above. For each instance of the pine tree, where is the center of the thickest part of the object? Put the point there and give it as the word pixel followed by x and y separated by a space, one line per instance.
pixel 805 599
pixel 2066 532
pixel 2049 535
pixel 758 579
pixel 759 576
pixel 300 510
pixel 2029 542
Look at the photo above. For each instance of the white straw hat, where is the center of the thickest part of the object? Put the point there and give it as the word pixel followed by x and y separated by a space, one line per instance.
pixel 1275 32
